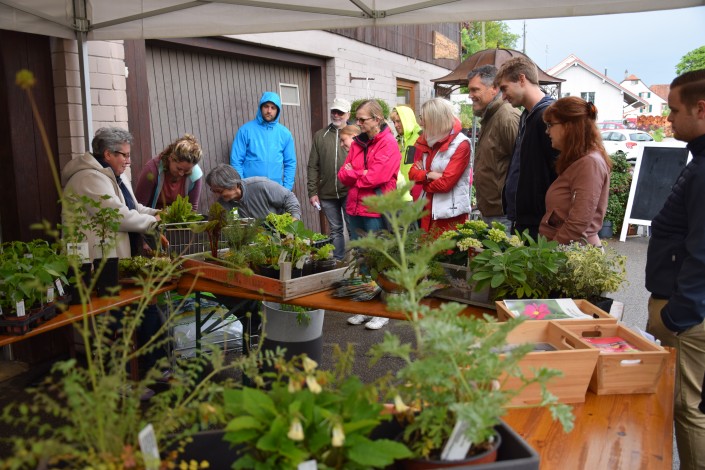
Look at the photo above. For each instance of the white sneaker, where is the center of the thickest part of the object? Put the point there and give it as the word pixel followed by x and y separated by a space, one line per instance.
pixel 358 319
pixel 376 323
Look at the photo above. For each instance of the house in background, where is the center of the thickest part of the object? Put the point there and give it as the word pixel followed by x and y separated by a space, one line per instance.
pixel 612 100
pixel 656 104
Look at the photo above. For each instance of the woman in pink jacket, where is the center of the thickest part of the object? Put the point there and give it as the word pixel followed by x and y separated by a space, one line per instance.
pixel 370 168
pixel 576 202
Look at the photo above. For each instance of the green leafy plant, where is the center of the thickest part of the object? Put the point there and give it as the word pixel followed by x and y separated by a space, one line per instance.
pixel 180 211
pixel 142 267
pixel 589 272
pixel 525 271
pixel 620 184
pixel 468 238
pixel 452 370
pixel 304 413
pixel 324 252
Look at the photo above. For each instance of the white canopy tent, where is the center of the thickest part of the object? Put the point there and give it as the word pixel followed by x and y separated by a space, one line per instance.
pixel 147 19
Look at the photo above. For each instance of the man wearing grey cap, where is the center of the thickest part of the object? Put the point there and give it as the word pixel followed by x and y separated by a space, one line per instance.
pixel 325 191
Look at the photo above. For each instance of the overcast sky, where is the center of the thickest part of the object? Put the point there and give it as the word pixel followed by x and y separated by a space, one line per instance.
pixel 648 45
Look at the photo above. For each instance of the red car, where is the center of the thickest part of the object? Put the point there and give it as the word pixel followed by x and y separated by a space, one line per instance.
pixel 608 125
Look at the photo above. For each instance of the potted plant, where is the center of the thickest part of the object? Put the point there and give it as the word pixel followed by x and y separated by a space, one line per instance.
pixel 294 328
pixel 590 273
pixel 525 271
pixel 620 184
pixel 453 374
pixel 299 413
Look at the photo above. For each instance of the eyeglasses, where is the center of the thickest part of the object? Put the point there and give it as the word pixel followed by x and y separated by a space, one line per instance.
pixel 551 124
pixel 337 112
pixel 125 155
pixel 362 120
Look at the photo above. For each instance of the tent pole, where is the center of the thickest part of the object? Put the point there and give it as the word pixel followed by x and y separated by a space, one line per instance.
pixel 85 90
pixel 81 27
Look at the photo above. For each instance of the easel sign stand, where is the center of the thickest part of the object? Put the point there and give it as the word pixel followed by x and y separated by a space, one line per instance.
pixel 657 168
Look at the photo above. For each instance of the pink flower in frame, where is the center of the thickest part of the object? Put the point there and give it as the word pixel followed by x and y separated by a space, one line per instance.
pixel 536 311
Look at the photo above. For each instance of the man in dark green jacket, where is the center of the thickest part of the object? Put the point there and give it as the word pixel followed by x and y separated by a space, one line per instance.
pixel 324 190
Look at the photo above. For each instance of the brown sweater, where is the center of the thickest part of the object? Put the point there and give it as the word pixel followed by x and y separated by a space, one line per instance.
pixel 576 202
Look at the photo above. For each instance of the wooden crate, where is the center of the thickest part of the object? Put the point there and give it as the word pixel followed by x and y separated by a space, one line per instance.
pixel 573 357
pixel 599 316
pixel 283 289
pixel 626 372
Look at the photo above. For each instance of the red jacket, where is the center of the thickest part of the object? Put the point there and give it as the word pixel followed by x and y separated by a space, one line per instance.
pixel 381 158
pixel 452 173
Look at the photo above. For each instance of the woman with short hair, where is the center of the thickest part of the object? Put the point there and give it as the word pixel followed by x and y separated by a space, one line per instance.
pixel 442 167
pixel 576 201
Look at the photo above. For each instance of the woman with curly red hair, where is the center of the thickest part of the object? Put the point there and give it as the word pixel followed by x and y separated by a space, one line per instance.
pixel 576 202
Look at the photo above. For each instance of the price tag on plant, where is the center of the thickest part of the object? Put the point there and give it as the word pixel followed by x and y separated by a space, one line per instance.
pixel 50 295
pixel 458 445
pixel 19 307
pixel 59 287
pixel 148 445
pixel 80 250
pixel 308 465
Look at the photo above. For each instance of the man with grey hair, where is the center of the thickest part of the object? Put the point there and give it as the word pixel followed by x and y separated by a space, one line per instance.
pixel 254 197
pixel 495 144
pixel 325 191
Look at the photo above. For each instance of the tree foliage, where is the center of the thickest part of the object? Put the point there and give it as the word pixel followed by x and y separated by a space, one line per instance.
pixel 497 34
pixel 693 60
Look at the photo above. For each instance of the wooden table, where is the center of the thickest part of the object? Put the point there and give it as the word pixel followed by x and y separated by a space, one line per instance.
pixel 611 431
pixel 127 296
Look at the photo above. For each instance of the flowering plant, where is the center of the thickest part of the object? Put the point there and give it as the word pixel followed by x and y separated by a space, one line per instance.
pixel 468 238
pixel 305 414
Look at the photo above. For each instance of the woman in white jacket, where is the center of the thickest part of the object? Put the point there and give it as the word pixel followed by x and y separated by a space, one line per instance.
pixel 98 174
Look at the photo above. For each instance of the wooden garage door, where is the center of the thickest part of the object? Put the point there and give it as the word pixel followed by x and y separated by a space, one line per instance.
pixel 211 96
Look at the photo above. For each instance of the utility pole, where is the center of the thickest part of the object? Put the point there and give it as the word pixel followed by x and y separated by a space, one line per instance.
pixel 484 43
pixel 523 47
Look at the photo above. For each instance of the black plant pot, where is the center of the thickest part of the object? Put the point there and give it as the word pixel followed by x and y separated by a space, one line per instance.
pixel 85 271
pixel 324 265
pixel 606 230
pixel 107 282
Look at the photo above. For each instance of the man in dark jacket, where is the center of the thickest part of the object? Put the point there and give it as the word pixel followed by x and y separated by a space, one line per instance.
pixel 675 268
pixel 324 190
pixel 532 169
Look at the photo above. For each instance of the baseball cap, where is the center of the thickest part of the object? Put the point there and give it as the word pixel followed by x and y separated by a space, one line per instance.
pixel 341 105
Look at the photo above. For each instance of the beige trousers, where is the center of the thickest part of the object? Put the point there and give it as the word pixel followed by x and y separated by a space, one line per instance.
pixel 690 368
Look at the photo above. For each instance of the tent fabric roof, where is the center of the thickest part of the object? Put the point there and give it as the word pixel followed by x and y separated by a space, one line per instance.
pixel 147 19
pixel 495 57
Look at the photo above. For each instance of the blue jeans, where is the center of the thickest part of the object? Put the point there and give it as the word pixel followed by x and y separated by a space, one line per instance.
pixel 365 225
pixel 334 209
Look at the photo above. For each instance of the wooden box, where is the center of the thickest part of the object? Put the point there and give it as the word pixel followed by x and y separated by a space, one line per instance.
pixel 283 289
pixel 574 358
pixel 599 316
pixel 462 288
pixel 623 372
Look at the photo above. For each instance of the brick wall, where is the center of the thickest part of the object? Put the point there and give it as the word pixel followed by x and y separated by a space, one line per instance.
pixel 106 63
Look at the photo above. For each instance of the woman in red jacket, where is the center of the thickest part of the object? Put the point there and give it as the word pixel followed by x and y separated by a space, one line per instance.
pixel 442 166
pixel 370 168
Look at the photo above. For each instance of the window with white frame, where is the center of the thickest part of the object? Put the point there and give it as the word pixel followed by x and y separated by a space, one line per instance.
pixel 289 94
pixel 588 96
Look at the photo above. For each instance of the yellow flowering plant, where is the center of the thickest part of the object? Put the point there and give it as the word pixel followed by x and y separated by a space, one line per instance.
pixel 468 238
pixel 300 413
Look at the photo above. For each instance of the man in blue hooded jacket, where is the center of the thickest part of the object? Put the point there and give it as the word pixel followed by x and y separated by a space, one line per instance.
pixel 264 147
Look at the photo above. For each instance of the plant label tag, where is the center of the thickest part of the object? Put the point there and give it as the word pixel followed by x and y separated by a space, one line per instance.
pixel 59 287
pixel 148 446
pixel 300 263
pixel 308 465
pixel 50 295
pixel 19 307
pixel 458 445
pixel 80 250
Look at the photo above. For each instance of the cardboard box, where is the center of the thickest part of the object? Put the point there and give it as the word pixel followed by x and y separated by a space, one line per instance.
pixel 599 316
pixel 573 357
pixel 283 289
pixel 623 372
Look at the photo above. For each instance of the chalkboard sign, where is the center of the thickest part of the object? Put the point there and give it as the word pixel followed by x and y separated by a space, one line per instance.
pixel 655 173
